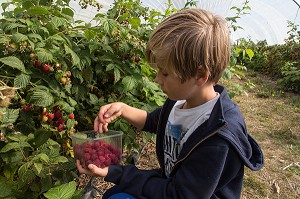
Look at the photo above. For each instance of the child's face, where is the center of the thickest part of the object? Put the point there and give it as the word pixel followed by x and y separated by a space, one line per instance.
pixel 173 87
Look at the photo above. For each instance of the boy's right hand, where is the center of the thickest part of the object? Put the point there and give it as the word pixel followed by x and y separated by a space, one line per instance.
pixel 106 114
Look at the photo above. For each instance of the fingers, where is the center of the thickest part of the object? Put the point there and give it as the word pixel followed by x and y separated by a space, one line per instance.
pixel 92 170
pixel 107 113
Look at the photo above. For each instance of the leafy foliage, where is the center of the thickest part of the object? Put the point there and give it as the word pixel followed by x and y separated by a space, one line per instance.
pixel 58 68
pixel 281 62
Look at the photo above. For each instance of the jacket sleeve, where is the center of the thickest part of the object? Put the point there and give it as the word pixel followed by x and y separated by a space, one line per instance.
pixel 198 177
pixel 152 120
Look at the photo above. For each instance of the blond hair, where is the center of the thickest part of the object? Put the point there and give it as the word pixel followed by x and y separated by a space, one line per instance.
pixel 190 39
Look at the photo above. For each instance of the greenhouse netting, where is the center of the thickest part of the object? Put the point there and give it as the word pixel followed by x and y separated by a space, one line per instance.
pixel 267 20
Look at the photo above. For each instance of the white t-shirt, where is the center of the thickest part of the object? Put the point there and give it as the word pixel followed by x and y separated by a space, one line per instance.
pixel 181 124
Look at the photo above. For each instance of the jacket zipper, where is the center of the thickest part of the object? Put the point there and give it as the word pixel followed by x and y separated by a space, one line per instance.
pixel 182 159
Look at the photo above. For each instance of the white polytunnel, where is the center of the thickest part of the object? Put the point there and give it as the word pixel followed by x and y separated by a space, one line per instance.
pixel 267 19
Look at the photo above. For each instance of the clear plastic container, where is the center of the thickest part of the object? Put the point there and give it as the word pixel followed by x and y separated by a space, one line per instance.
pixel 100 149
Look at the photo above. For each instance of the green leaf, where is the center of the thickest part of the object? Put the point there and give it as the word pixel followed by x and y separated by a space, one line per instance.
pixel 5 189
pixel 35 36
pixel 65 106
pixel 89 34
pixel 9 116
pixel 75 58
pixel 13 62
pixel 14 145
pixel 250 53
pixel 25 173
pixel 59 159
pixel 22 80
pixel 41 96
pixel 64 191
pixel 129 83
pixel 37 10
pixel 58 21
pixel 41 136
pixel 18 37
pixel 67 11
pixel 135 22
pixel 38 166
pixel 44 55
pixel 43 157
pixel 117 74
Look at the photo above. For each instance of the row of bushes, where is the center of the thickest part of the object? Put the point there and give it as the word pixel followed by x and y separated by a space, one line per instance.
pixel 281 62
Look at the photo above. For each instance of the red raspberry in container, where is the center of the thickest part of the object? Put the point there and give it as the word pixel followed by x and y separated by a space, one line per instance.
pixel 101 150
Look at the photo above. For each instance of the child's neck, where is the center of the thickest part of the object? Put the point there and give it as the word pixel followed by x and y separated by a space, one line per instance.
pixel 205 94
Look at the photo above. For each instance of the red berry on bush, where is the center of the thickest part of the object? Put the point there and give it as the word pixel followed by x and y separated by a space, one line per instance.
pixel 71 116
pixel 137 59
pixel 60 128
pixel 37 63
pixel 58 114
pixel 68 74
pixel 27 108
pixel 46 67
pixel 51 116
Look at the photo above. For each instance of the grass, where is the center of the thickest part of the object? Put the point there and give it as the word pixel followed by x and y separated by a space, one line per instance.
pixel 273 119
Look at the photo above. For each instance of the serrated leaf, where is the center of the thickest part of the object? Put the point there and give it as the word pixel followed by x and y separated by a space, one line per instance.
pixel 9 116
pixel 89 34
pixel 37 10
pixel 135 22
pixel 43 157
pixel 67 11
pixel 44 55
pixel 65 106
pixel 41 96
pixel 18 37
pixel 110 66
pixel 117 75
pixel 13 62
pixel 41 136
pixel 14 145
pixel 129 83
pixel 58 21
pixel 59 159
pixel 35 36
pixel 75 58
pixel 5 189
pixel 12 26
pixel 25 174
pixel 38 167
pixel 22 80
pixel 64 191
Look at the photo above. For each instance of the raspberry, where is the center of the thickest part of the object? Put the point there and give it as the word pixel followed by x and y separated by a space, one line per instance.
pixel 87 156
pixel 71 116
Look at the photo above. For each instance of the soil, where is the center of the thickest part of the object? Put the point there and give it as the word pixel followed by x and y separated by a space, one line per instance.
pixel 273 119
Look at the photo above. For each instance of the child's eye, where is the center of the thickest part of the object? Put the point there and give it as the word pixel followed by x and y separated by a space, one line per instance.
pixel 165 74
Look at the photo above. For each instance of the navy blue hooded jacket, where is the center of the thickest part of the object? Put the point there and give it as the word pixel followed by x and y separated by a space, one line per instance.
pixel 210 165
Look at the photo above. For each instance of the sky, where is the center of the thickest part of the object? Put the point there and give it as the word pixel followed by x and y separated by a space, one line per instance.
pixel 267 19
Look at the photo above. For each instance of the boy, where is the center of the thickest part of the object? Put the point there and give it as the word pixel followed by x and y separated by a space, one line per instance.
pixel 202 142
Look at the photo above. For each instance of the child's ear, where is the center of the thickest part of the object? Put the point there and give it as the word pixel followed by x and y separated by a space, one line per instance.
pixel 202 76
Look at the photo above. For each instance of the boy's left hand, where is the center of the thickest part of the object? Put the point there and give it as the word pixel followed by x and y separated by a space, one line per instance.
pixel 92 170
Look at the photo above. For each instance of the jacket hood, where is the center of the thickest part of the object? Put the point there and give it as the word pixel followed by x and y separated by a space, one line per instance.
pixel 236 133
